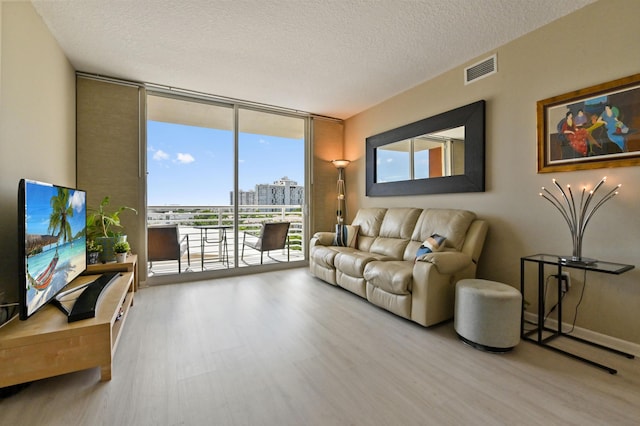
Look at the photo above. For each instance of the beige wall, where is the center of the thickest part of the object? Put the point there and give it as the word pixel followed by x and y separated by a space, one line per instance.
pixel 37 121
pixel 594 45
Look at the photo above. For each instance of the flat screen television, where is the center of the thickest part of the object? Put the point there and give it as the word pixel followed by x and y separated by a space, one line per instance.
pixel 52 227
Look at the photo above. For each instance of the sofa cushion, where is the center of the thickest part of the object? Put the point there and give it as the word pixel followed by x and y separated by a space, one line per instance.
pixel 390 247
pixel 353 262
pixel 325 255
pixel 394 276
pixel 450 223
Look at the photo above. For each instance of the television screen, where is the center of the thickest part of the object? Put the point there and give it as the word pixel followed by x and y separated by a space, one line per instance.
pixel 52 222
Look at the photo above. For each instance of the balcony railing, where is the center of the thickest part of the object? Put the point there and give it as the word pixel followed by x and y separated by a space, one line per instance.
pixel 210 254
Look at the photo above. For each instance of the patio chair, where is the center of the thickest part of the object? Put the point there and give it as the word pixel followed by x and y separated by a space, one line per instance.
pixel 273 236
pixel 164 243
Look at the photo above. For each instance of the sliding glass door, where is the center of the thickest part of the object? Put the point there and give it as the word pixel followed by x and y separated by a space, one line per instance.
pixel 219 175
pixel 271 177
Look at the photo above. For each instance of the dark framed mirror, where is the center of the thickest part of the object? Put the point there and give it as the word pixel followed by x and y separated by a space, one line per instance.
pixel 436 155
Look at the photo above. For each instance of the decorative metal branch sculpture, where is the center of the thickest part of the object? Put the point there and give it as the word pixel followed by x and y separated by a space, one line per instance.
pixel 578 215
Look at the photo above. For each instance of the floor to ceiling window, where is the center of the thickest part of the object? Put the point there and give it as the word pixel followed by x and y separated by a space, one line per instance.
pixel 225 186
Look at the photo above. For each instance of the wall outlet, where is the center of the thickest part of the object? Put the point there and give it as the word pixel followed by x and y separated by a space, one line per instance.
pixel 565 281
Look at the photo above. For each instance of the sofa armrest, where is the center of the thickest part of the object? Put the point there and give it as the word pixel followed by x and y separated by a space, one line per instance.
pixel 322 239
pixel 448 262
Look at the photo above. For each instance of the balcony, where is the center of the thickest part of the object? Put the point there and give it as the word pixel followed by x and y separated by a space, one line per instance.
pixel 212 235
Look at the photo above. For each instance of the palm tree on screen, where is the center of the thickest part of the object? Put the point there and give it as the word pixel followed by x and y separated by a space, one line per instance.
pixel 61 211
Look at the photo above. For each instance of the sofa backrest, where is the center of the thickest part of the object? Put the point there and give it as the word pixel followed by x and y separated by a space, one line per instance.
pixel 449 223
pixel 398 232
pixel 452 224
pixel 395 231
pixel 369 220
pixel 399 223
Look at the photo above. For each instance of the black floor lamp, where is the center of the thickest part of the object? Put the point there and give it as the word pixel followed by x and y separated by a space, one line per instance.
pixel 340 210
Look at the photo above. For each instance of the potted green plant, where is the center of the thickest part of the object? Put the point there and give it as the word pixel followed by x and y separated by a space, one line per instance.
pixel 121 248
pixel 93 252
pixel 103 227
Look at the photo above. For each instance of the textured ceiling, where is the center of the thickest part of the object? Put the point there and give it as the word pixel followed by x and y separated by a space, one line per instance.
pixel 328 57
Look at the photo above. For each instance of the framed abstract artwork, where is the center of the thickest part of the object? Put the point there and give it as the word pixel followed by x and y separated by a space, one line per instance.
pixel 591 128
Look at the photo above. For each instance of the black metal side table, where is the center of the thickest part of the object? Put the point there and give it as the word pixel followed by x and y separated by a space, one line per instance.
pixel 223 250
pixel 536 335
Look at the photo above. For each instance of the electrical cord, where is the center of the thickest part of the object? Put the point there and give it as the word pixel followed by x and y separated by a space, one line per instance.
pixel 575 315
pixel 544 298
pixel 546 288
pixel 553 308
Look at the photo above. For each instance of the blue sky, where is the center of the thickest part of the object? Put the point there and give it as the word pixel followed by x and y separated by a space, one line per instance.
pixel 393 166
pixel 39 208
pixel 194 165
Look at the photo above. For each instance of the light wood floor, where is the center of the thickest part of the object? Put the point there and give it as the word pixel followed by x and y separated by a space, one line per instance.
pixel 283 348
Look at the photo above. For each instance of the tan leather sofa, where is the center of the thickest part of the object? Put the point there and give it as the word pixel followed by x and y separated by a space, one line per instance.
pixel 382 266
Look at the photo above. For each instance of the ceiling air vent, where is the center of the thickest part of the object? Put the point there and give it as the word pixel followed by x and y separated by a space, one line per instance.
pixel 481 69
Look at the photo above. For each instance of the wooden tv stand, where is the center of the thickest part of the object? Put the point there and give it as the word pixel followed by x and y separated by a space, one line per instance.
pixel 129 265
pixel 46 345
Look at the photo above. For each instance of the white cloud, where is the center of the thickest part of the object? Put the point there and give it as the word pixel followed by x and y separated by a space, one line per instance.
pixel 389 160
pixel 263 142
pixel 160 155
pixel 77 201
pixel 184 158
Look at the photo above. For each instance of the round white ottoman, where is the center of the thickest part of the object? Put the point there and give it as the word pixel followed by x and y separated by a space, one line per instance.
pixel 487 314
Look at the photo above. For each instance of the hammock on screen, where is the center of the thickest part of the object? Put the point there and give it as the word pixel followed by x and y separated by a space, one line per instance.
pixel 43 280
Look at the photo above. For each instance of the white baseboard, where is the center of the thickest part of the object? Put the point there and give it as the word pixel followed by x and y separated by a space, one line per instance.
pixel 583 333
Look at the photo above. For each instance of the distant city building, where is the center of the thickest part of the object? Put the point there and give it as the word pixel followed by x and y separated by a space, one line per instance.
pixel 245 198
pixel 168 215
pixel 281 192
